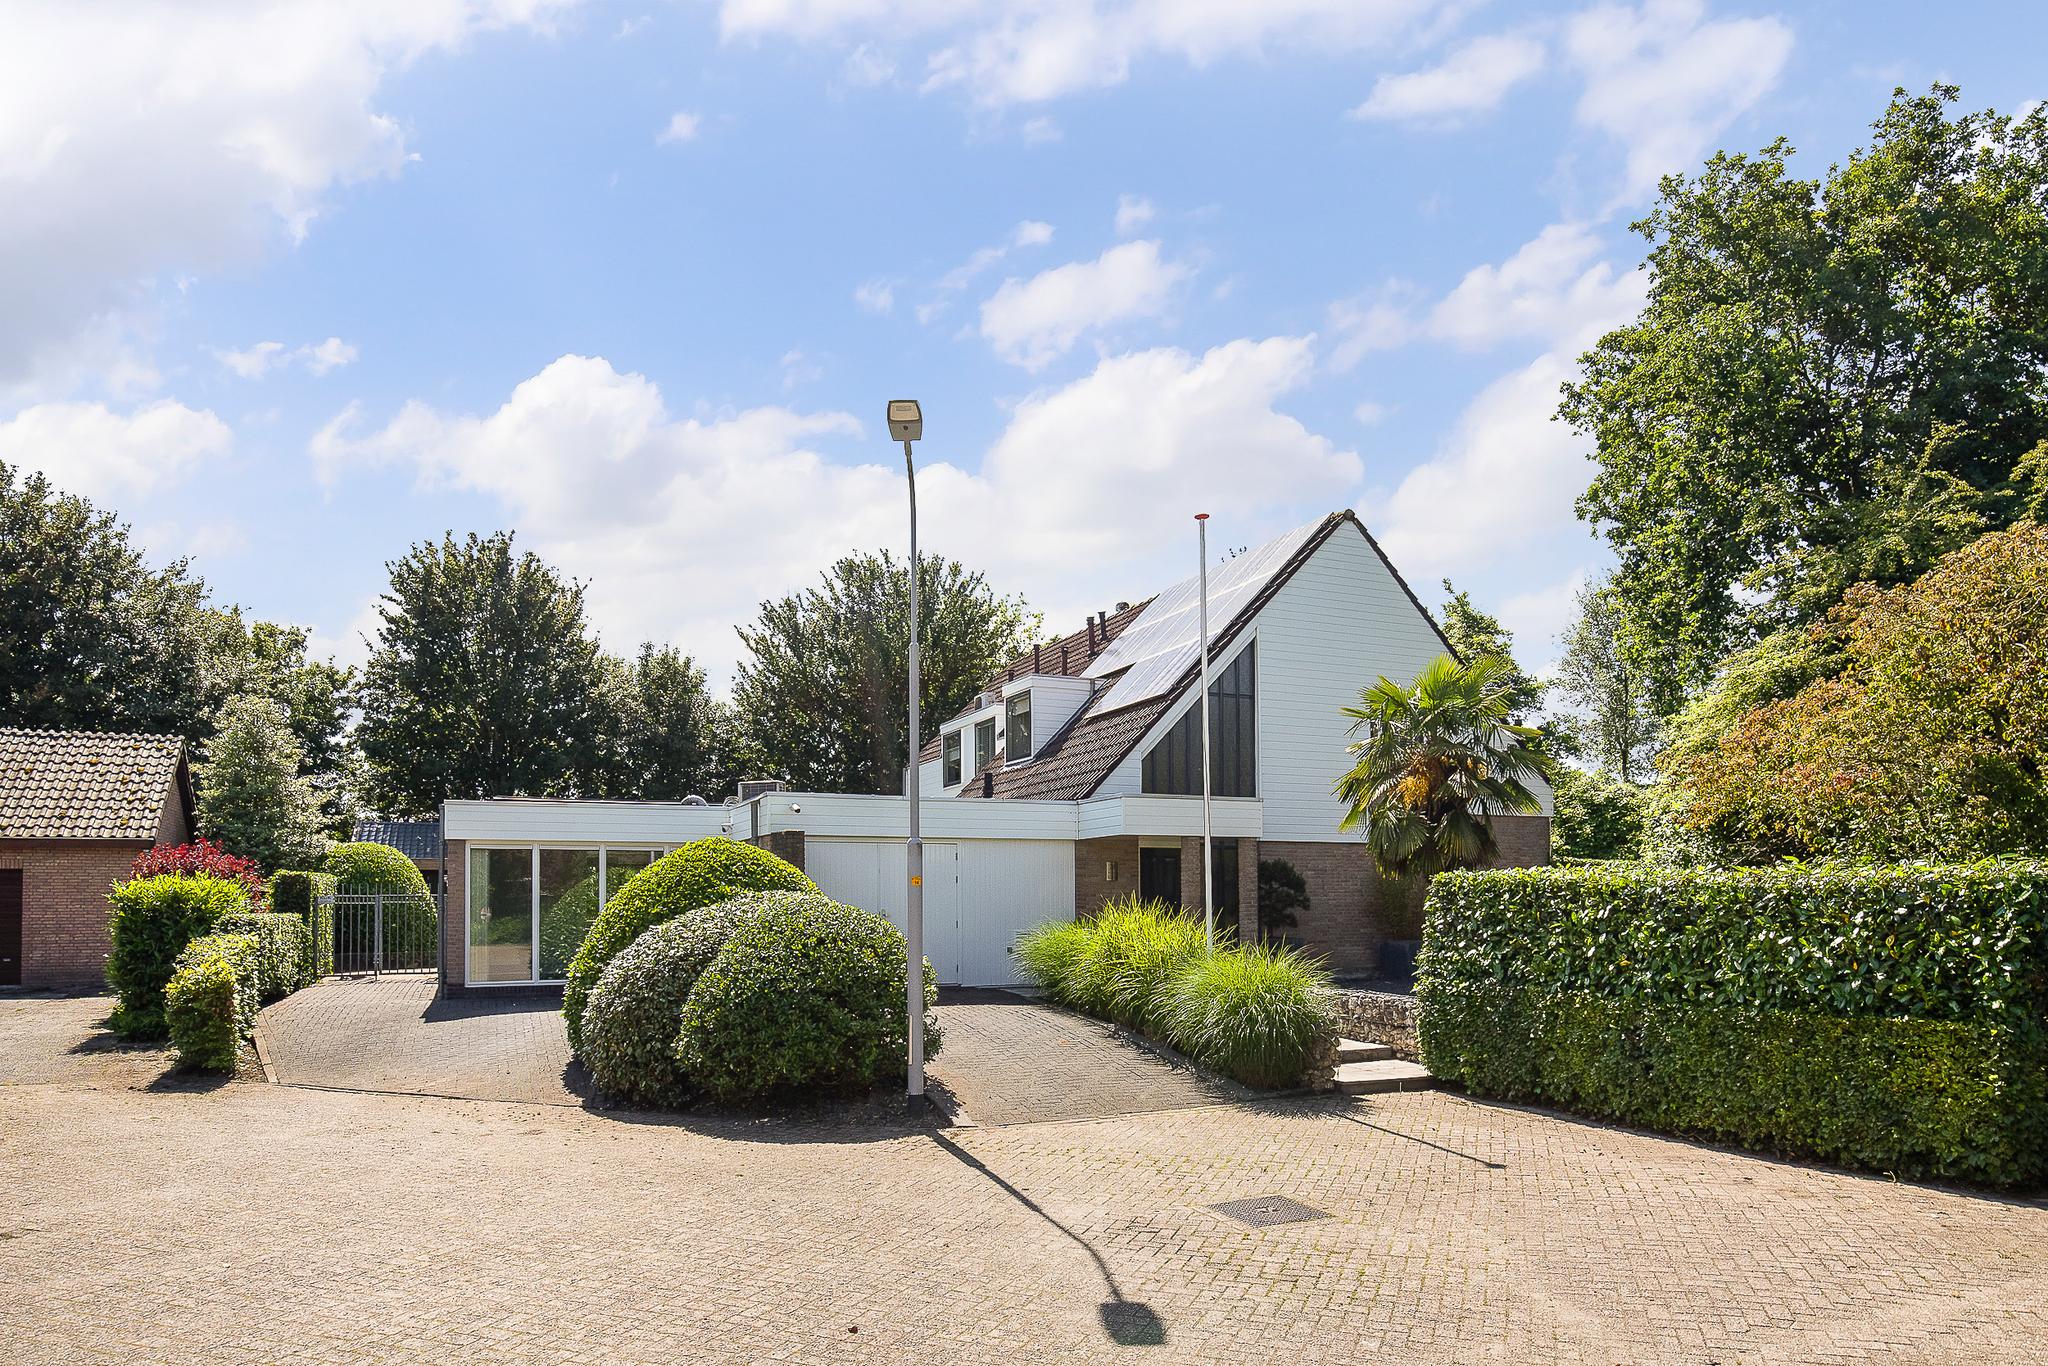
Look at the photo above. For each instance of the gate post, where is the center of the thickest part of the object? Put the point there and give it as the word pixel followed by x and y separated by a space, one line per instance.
pixel 377 944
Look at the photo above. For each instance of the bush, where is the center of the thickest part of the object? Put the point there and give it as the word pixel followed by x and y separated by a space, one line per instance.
pixel 563 924
pixel 201 858
pixel 411 919
pixel 303 895
pixel 698 874
pixel 631 1022
pixel 153 919
pixel 1259 1013
pixel 282 956
pixel 211 1000
pixel 1598 816
pixel 1885 1017
pixel 1283 896
pixel 806 993
pixel 1256 1013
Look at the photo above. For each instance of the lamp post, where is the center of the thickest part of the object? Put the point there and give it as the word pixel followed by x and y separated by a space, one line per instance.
pixel 1202 654
pixel 906 424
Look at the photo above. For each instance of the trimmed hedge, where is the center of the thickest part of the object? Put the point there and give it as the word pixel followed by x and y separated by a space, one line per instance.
pixel 1889 1018
pixel 630 1025
pixel 153 919
pixel 282 954
pixel 410 914
pixel 211 1000
pixel 301 894
pixel 698 874
pixel 806 993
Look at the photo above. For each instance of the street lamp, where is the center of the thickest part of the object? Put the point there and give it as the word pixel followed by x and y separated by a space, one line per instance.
pixel 906 424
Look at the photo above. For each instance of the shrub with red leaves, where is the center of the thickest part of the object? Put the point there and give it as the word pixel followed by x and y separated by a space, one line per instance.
pixel 203 858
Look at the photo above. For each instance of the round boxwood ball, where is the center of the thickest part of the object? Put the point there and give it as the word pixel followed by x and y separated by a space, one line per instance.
pixel 629 1027
pixel 806 993
pixel 698 874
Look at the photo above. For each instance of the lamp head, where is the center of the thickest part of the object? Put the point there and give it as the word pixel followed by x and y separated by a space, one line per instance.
pixel 906 420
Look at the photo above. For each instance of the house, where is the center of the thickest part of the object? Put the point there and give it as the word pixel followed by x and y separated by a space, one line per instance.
pixel 1072 778
pixel 418 840
pixel 76 807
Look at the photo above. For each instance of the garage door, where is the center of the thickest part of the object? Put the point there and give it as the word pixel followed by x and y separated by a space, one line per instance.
pixel 979 895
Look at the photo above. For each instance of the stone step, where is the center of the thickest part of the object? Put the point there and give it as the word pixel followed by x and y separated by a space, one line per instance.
pixel 1352 1050
pixel 1376 1078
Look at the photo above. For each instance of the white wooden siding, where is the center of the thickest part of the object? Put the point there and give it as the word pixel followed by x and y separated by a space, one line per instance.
pixel 577 822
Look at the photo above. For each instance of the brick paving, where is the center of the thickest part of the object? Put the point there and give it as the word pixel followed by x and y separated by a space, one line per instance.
pixel 392 1034
pixel 1008 1060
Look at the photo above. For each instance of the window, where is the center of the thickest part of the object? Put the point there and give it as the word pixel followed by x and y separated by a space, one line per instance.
pixel 1017 729
pixel 1174 766
pixel 501 915
pixel 984 744
pixel 949 760
pixel 530 906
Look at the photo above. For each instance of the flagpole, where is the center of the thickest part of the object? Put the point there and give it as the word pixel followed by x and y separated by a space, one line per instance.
pixel 1202 654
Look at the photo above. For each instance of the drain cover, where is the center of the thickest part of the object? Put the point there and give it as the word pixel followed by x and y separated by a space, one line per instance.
pixel 1263 1210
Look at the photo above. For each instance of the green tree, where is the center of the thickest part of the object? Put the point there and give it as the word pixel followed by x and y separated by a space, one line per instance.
pixel 483 681
pixel 670 734
pixel 1434 762
pixel 1598 816
pixel 1617 727
pixel 1474 634
pixel 91 638
pixel 252 799
pixel 822 695
pixel 1833 381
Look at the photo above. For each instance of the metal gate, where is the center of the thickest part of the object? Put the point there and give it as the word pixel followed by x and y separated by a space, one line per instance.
pixel 386 929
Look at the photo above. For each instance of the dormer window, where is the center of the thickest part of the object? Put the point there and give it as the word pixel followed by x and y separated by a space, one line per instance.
pixel 1017 727
pixel 949 760
pixel 984 744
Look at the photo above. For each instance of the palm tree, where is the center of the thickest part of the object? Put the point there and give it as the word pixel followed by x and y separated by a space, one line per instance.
pixel 1435 762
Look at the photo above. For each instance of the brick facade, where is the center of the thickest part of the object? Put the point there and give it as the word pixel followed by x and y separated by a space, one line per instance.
pixel 787 845
pixel 454 923
pixel 1092 887
pixel 64 884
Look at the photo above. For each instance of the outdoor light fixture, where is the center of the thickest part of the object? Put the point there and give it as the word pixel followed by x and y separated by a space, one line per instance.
pixel 906 424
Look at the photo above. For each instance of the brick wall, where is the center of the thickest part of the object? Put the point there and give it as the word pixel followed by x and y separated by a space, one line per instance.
pixel 1524 841
pixel 64 910
pixel 787 845
pixel 1091 887
pixel 454 919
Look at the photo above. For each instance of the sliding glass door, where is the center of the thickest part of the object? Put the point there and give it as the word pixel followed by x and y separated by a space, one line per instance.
pixel 531 905
pixel 501 915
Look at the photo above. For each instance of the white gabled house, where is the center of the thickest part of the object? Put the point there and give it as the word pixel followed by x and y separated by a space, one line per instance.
pixel 1072 778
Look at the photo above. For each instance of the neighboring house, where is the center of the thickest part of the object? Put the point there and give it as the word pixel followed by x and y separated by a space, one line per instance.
pixel 76 807
pixel 418 840
pixel 1072 778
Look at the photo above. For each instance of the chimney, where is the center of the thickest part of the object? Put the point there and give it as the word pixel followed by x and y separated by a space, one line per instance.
pixel 988 784
pixel 1091 637
pixel 1037 663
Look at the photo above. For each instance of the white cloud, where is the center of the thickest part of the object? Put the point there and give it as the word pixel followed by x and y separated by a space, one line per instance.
pixel 110 457
pixel 1378 323
pixel 867 65
pixel 254 362
pixel 683 525
pixel 139 141
pixel 1033 322
pixel 1370 413
pixel 681 127
pixel 1029 233
pixel 1040 130
pixel 1663 80
pixel 1132 212
pixel 1474 78
pixel 875 296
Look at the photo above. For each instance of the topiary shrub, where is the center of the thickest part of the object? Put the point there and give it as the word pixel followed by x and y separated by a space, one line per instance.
pixel 630 1025
pixel 153 919
pixel 310 897
pixel 806 993
pixel 1259 1013
pixel 282 962
pixel 211 1000
pixel 698 874
pixel 411 919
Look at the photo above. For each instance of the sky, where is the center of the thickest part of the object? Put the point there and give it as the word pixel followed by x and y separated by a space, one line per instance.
pixel 293 286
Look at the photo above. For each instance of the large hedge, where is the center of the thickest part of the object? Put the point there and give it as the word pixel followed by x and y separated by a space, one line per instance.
pixel 807 994
pixel 153 919
pixel 309 896
pixel 1887 1017
pixel 283 961
pixel 630 1025
pixel 698 874
pixel 211 1000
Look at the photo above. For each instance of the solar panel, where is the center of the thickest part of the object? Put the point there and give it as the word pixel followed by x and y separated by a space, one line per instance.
pixel 1159 646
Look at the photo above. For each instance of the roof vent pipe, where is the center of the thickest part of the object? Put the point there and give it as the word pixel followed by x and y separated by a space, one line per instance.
pixel 1091 637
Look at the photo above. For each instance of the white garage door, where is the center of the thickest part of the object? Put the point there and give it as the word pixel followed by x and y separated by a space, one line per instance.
pixel 979 895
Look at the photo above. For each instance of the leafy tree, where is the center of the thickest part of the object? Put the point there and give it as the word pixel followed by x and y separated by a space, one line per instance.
pixel 483 680
pixel 1474 634
pixel 251 797
pixel 669 732
pixel 1924 733
pixel 1618 727
pixel 1598 816
pixel 822 696
pixel 90 637
pixel 1434 761
pixel 1833 381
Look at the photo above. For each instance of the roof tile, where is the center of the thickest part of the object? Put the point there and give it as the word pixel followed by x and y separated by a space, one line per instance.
pixel 82 785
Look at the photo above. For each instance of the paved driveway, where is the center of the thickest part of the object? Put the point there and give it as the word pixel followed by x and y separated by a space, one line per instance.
pixel 392 1033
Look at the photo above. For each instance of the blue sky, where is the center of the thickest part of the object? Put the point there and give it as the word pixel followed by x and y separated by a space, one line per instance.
pixel 293 286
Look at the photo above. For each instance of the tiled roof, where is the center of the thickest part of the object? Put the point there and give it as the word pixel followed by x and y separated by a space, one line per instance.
pixel 85 785
pixel 415 839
